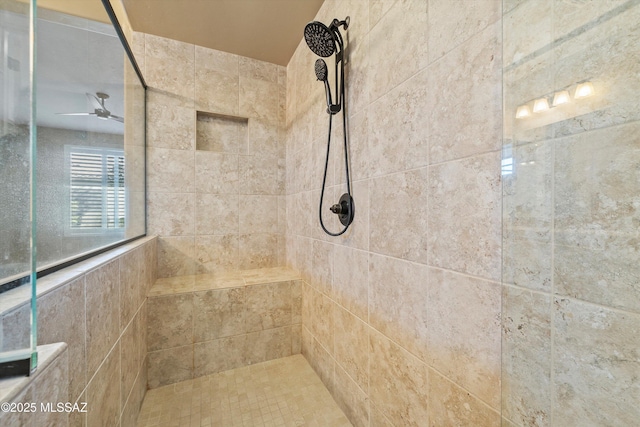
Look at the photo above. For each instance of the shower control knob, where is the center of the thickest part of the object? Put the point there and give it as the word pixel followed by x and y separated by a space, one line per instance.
pixel 344 209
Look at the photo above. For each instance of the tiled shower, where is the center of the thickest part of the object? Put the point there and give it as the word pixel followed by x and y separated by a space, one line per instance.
pixel 451 299
pixel 490 275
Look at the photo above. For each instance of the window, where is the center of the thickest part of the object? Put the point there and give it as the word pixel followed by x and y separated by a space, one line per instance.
pixel 96 189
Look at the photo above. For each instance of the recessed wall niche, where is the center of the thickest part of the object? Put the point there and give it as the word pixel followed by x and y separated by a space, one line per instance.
pixel 220 133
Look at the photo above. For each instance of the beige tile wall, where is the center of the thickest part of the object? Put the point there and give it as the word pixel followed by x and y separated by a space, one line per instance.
pixel 98 308
pixel 571 296
pixel 401 315
pixel 192 334
pixel 215 185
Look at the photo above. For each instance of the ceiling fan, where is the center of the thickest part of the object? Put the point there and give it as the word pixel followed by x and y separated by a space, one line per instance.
pixel 100 111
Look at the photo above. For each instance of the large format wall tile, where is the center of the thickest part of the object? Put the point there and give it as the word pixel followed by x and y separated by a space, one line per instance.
pixel 322 308
pixel 170 214
pixel 170 65
pixel 398 137
pixel 261 174
pixel 351 399
pixel 398 383
pixel 454 22
pixel 319 358
pixel 170 171
pixel 258 99
pixel 465 348
pixel 464 216
pixel 523 40
pixel 170 321
pixel 525 258
pixel 216 173
pixel 132 284
pixel 222 62
pixel 258 250
pixel 170 121
pixel 526 356
pixel 352 346
pixel 218 313
pixel 596 218
pixel 351 280
pixel 216 214
pixel 265 138
pixel 322 267
pixel 216 253
pixel 258 214
pixel 219 355
pixel 216 92
pixel 268 344
pixel 131 356
pixel 400 212
pixel 103 313
pixel 176 256
pixel 268 306
pixel 61 318
pixel 398 305
pixel 465 113
pixel 51 386
pixel 450 405
pixel 400 39
pixel 600 51
pixel 258 70
pixel 103 392
pixel 528 190
pixel 596 361
pixel 171 366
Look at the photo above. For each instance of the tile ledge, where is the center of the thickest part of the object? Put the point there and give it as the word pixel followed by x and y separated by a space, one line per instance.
pixel 11 387
pixel 231 279
pixel 18 297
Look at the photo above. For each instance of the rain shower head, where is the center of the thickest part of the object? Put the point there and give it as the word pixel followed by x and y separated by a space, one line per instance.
pixel 320 39
pixel 321 70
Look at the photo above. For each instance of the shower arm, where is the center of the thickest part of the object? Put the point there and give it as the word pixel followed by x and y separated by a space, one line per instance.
pixel 339 71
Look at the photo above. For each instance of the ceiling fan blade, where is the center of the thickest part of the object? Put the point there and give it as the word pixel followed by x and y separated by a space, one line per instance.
pixel 76 114
pixel 116 118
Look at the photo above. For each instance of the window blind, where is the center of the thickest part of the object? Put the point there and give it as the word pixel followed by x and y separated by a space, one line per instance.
pixel 97 190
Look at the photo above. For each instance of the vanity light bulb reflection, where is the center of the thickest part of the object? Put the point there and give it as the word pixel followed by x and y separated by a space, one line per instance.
pixel 522 112
pixel 561 97
pixel 584 90
pixel 540 105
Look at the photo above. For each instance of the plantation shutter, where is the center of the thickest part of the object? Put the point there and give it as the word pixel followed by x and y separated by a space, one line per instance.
pixel 97 191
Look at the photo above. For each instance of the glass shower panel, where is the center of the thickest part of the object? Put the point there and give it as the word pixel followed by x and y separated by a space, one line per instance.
pixel 90 139
pixel 17 148
pixel 571 213
pixel 15 164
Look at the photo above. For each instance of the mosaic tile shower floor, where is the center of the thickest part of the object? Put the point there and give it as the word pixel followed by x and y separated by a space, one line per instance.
pixel 282 392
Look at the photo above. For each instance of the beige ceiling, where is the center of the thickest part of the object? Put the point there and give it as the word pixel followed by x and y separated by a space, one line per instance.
pixel 268 30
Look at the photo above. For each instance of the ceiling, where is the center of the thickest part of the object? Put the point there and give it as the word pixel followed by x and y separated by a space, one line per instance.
pixel 268 30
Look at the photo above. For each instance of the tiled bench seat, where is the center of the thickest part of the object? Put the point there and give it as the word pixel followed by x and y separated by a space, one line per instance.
pixel 202 324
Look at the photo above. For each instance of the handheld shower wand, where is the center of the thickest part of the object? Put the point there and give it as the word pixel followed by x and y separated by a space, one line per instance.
pixel 326 41
pixel 321 74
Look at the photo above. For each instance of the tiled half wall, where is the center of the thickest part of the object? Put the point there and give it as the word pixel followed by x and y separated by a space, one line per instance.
pixel 98 308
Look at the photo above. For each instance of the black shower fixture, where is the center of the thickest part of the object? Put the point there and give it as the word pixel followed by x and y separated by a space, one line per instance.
pixel 326 41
